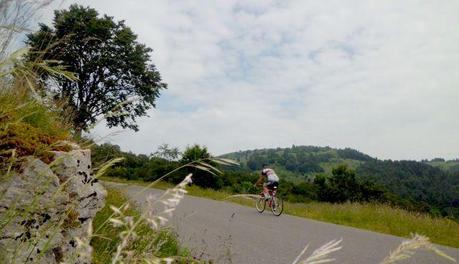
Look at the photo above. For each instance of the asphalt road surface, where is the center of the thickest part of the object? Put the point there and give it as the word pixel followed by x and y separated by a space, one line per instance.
pixel 229 233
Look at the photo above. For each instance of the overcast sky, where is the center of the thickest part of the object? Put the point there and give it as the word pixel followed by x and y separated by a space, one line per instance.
pixel 378 76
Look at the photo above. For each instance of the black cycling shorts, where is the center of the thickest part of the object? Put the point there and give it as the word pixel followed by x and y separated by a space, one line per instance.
pixel 271 185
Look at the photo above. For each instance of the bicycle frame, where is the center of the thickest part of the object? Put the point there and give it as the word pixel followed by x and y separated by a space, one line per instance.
pixel 273 202
pixel 272 193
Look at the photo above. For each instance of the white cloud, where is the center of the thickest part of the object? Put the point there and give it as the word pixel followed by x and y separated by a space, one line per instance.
pixel 378 76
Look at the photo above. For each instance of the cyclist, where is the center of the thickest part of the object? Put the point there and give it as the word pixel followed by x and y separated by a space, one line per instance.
pixel 272 180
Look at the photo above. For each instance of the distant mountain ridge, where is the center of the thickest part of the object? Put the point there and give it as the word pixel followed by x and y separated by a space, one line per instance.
pixel 300 155
pixel 299 162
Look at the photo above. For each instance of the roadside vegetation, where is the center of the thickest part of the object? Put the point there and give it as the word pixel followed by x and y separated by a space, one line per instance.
pixel 347 176
pixel 425 186
pixel 370 216
pixel 106 237
pixel 340 198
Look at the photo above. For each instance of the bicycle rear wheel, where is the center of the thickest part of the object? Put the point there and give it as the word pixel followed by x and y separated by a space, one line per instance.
pixel 277 206
pixel 260 204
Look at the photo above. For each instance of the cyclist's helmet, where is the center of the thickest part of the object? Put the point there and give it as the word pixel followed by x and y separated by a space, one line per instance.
pixel 264 172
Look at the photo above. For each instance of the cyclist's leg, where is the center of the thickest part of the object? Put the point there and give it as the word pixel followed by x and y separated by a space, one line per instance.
pixel 269 187
pixel 266 190
pixel 272 187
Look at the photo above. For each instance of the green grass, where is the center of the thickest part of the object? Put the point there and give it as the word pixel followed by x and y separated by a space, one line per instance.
pixel 333 163
pixel 106 236
pixel 374 217
pixel 381 218
pixel 29 127
pixel 444 165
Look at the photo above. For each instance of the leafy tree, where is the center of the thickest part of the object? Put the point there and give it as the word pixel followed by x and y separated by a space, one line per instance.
pixel 256 162
pixel 114 70
pixel 167 153
pixel 157 167
pixel 343 186
pixel 104 152
pixel 194 153
pixel 134 166
pixel 200 177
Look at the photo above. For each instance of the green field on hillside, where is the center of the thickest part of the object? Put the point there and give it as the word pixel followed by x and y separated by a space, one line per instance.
pixel 450 165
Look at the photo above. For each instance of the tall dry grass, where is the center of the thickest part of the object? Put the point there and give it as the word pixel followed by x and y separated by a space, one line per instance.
pixel 105 241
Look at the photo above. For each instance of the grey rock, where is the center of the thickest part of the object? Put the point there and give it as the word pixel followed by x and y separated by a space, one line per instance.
pixel 46 207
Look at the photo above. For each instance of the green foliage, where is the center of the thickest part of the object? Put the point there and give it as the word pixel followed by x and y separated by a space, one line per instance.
pixel 451 166
pixel 425 187
pixel 111 66
pixel 194 153
pixel 239 182
pixel 417 186
pixel 28 127
pixel 344 187
pixel 201 178
pixel 106 239
pixel 407 186
pixel 299 192
pixel 300 160
pixel 353 154
pixel 167 153
pixel 135 167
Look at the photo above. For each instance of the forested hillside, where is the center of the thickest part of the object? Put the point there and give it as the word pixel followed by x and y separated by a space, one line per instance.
pixel 416 181
pixel 431 185
pixel 299 161
pixel 307 173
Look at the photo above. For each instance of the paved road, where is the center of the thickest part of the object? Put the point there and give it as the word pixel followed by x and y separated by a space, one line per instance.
pixel 230 233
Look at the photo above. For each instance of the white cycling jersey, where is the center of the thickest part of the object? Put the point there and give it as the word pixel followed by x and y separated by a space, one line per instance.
pixel 271 175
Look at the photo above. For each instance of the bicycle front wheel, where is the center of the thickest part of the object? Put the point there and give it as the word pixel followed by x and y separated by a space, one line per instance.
pixel 260 204
pixel 277 206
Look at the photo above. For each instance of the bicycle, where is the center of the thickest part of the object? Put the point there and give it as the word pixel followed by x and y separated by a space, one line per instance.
pixel 275 203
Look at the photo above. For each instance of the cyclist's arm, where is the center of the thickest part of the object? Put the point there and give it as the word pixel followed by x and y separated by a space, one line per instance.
pixel 260 180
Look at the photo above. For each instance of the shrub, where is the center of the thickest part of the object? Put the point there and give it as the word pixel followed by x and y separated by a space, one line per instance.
pixel 29 127
pixel 343 187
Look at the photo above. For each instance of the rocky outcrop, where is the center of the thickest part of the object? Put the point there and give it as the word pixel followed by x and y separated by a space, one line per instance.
pixel 45 208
